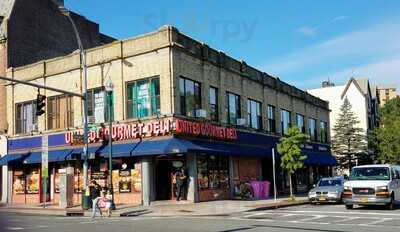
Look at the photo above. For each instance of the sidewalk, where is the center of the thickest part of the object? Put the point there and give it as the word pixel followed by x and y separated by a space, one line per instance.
pixel 166 208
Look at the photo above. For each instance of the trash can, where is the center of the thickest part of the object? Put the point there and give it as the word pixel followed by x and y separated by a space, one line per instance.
pixel 85 199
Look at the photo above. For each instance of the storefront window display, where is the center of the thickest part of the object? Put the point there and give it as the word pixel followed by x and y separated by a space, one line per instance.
pixel 212 172
pixel 32 181
pixel 78 180
pixel 19 182
pixel 126 176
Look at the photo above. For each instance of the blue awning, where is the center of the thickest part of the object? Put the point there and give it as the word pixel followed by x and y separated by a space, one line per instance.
pixel 11 158
pixel 36 157
pixel 235 149
pixel 319 159
pixel 149 147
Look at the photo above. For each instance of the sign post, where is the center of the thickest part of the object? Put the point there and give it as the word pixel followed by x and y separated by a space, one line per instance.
pixel 45 166
pixel 273 171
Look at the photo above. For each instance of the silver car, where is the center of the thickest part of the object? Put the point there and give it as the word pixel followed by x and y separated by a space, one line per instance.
pixel 327 190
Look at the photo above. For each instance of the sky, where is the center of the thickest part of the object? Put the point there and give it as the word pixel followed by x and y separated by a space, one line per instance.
pixel 301 42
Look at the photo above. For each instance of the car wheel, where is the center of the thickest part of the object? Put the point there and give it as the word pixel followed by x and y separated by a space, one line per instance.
pixel 349 206
pixel 392 205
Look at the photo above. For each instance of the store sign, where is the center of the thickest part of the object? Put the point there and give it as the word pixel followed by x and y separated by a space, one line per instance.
pixel 122 132
pixel 204 129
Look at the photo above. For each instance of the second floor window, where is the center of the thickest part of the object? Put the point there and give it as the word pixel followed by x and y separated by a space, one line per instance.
pixel 312 129
pixel 143 98
pixel 271 118
pixel 323 128
pixel 254 114
pixel 97 106
pixel 213 104
pixel 190 96
pixel 60 113
pixel 300 123
pixel 285 121
pixel 25 117
pixel 233 108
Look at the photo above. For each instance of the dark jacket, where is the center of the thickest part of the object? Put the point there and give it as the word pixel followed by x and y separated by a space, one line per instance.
pixel 95 191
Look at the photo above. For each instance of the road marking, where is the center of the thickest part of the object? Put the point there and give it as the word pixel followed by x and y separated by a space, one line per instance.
pixel 315 217
pixel 338 212
pixel 379 221
pixel 346 219
pixel 13 228
pixel 255 214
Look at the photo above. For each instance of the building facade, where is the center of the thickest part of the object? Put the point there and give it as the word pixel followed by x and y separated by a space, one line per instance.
pixel 361 95
pixel 386 93
pixel 176 103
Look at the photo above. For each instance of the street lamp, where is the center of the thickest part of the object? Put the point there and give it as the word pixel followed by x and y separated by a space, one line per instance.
pixel 66 12
pixel 109 90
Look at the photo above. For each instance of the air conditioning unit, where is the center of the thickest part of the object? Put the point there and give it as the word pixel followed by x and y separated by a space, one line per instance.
pixel 201 113
pixel 241 121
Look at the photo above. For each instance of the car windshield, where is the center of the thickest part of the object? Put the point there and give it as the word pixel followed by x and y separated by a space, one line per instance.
pixel 323 183
pixel 372 173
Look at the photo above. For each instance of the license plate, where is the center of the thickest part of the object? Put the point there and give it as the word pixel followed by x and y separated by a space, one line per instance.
pixel 322 199
pixel 364 199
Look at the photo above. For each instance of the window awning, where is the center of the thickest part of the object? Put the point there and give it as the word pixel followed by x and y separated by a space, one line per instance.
pixel 36 157
pixel 149 147
pixel 11 158
pixel 319 159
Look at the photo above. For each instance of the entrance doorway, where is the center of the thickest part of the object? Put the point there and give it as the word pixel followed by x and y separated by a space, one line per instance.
pixel 165 171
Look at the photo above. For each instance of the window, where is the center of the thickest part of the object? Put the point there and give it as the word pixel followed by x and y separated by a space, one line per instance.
pixel 254 114
pixel 233 108
pixel 60 112
pixel 312 129
pixel 300 123
pixel 143 98
pixel 25 117
pixel 285 122
pixel 212 172
pixel 190 96
pixel 213 98
pixel 323 126
pixel 271 118
pixel 97 106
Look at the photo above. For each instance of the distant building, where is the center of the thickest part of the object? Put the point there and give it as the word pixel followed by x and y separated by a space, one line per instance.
pixel 361 95
pixel 34 30
pixel 386 93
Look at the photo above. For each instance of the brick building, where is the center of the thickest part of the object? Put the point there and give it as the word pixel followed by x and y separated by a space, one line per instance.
pixel 34 30
pixel 175 102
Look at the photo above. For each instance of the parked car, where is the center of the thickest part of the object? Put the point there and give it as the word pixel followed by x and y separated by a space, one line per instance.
pixel 373 185
pixel 327 190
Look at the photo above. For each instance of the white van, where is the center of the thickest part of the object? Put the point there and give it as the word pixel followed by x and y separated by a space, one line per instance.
pixel 373 185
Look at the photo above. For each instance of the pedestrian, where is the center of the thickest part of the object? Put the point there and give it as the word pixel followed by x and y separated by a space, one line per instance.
pixel 95 190
pixel 181 184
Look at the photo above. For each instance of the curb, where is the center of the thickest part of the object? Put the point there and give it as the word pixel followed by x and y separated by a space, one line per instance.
pixel 278 206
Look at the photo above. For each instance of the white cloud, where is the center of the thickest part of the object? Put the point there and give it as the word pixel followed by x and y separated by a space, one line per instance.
pixel 339 18
pixel 307 31
pixel 374 42
pixel 384 71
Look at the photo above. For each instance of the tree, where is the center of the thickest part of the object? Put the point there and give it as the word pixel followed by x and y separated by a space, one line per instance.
pixel 388 134
pixel 289 148
pixel 349 142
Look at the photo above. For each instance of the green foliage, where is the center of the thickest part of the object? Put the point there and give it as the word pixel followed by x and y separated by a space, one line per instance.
pixel 388 135
pixel 349 142
pixel 290 150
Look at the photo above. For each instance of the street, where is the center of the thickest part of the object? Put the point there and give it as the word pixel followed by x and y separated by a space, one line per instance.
pixel 327 218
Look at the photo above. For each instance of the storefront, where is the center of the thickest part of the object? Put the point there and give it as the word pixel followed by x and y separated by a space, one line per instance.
pixel 145 158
